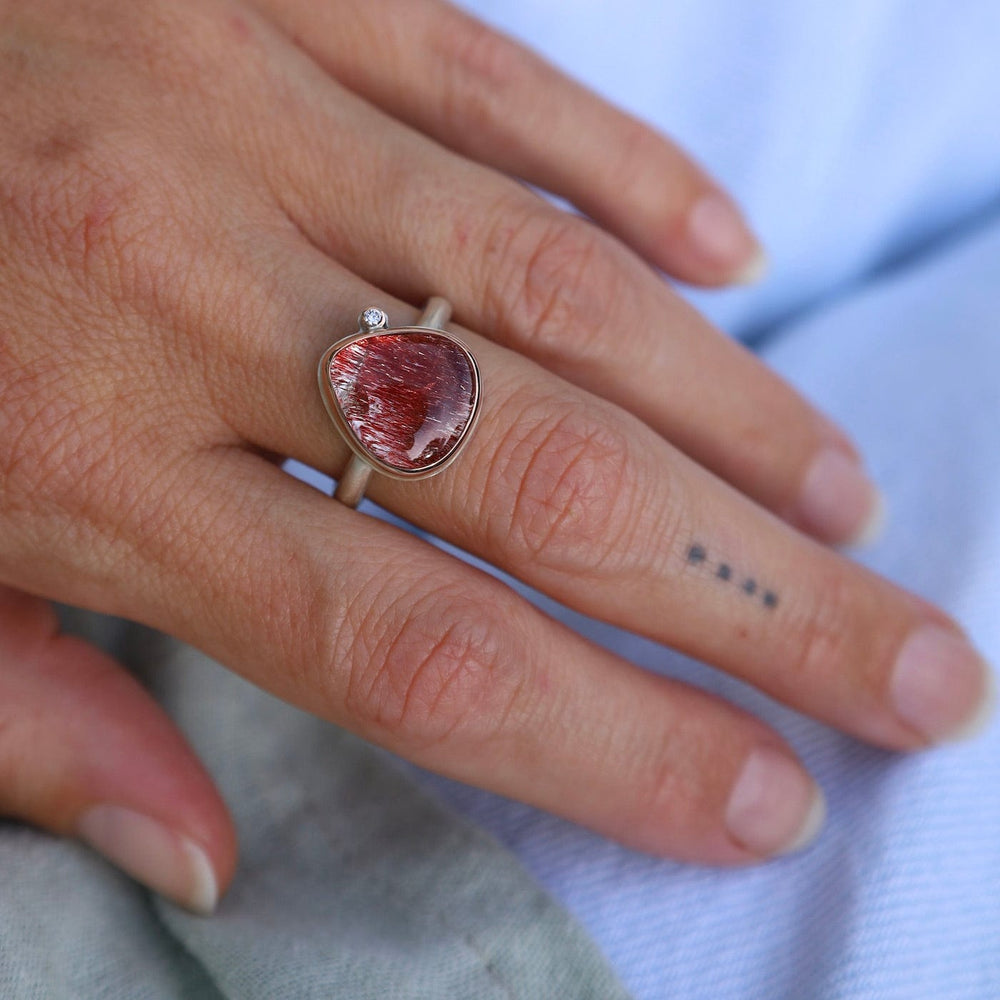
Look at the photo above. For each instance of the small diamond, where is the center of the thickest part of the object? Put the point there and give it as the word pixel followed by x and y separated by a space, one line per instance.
pixel 373 318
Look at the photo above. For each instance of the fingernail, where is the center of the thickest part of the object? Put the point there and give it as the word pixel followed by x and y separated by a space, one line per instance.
pixel 941 686
pixel 754 271
pixel 839 503
pixel 720 235
pixel 153 854
pixel 774 807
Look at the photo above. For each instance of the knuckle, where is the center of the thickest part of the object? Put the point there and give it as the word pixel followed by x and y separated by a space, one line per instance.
pixel 669 787
pixel 439 672
pixel 828 631
pixel 568 484
pixel 551 283
pixel 484 71
pixel 652 174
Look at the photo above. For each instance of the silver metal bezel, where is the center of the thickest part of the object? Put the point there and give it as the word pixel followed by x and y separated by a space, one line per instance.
pixel 340 421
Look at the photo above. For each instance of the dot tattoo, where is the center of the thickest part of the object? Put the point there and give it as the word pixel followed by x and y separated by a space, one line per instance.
pixel 697 555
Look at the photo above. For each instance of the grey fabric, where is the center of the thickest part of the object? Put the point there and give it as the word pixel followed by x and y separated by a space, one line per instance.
pixel 352 882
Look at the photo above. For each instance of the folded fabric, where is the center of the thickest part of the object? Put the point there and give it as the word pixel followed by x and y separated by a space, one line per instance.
pixel 352 883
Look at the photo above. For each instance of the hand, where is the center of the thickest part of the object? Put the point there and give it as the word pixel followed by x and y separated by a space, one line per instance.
pixel 197 198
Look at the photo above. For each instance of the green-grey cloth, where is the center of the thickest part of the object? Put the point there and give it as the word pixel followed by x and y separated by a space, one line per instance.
pixel 352 884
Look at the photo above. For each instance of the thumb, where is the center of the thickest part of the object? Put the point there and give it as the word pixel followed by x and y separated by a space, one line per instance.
pixel 86 751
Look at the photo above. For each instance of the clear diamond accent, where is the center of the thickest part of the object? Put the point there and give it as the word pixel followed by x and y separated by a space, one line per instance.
pixel 373 318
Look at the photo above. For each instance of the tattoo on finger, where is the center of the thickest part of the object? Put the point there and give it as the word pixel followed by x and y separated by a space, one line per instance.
pixel 697 555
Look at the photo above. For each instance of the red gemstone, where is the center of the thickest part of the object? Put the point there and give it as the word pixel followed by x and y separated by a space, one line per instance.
pixel 408 397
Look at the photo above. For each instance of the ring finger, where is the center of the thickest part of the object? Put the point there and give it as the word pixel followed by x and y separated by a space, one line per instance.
pixel 579 499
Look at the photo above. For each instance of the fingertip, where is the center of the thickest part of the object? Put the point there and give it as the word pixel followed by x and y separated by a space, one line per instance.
pixel 97 757
pixel 754 271
pixel 984 714
pixel 838 502
pixel 153 853
pixel 203 886
pixel 722 247
pixel 774 807
pixel 941 686
pixel 872 527
pixel 811 826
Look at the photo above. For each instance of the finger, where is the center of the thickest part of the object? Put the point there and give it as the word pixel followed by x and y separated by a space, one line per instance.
pixel 416 221
pixel 377 631
pixel 582 501
pixel 489 98
pixel 85 751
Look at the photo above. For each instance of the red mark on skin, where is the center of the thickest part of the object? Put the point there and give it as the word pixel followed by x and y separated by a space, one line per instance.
pixel 62 146
pixel 102 210
pixel 95 223
pixel 240 28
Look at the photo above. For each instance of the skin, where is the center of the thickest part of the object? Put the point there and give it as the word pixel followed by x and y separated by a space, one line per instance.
pixel 196 199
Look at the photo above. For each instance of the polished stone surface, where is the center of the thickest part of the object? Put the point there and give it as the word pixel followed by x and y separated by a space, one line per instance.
pixel 407 397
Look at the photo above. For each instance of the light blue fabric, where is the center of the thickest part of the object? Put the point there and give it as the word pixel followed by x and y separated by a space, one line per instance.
pixel 864 138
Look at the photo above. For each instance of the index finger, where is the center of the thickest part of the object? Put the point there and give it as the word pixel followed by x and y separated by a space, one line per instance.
pixel 492 99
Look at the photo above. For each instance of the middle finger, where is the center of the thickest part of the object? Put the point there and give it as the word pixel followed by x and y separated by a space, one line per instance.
pixel 414 219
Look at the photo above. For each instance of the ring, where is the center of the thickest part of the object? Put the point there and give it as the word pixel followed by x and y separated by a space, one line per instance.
pixel 404 399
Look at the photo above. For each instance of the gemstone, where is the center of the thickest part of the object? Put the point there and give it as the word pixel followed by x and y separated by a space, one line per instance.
pixel 408 397
pixel 373 317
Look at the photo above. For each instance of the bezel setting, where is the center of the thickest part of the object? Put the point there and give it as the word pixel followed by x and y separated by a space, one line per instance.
pixel 372 319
